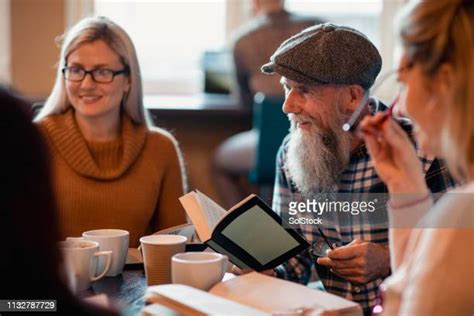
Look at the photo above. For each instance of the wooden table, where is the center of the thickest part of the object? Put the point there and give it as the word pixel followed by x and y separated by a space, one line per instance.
pixel 125 291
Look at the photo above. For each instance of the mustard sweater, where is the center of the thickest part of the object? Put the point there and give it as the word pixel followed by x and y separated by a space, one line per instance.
pixel 131 183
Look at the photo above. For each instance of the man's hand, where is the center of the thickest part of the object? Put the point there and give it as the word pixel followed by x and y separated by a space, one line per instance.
pixel 358 262
pixel 237 271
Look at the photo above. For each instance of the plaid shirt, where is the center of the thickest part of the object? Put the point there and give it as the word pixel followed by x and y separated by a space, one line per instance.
pixel 359 177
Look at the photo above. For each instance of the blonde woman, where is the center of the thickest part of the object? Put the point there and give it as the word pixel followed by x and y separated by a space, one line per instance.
pixel 111 168
pixel 432 264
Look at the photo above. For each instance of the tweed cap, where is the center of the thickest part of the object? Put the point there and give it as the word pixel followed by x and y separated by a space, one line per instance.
pixel 327 54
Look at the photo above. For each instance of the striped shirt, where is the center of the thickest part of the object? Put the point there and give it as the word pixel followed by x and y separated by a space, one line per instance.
pixel 358 177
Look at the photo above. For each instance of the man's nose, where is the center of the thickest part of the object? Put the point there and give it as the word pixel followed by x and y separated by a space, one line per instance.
pixel 292 102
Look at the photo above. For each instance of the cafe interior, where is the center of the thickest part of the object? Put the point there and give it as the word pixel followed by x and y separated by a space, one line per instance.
pixel 192 92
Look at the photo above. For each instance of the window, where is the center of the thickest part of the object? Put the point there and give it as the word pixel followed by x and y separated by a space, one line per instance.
pixel 361 15
pixel 170 37
pixel 5 42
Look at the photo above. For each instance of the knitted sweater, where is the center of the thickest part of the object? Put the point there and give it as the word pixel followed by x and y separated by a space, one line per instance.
pixel 131 183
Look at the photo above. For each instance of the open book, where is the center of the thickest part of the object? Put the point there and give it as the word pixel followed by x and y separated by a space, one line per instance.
pixel 250 294
pixel 186 230
pixel 250 233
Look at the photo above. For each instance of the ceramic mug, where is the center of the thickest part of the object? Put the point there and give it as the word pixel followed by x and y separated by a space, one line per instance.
pixel 201 270
pixel 80 262
pixel 115 240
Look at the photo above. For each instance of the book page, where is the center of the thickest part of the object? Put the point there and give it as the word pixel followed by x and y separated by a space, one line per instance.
pixel 273 295
pixel 197 215
pixel 158 310
pixel 213 211
pixel 191 301
pixel 248 198
pixel 186 230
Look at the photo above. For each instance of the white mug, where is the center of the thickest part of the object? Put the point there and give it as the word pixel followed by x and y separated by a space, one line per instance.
pixel 80 262
pixel 201 270
pixel 115 240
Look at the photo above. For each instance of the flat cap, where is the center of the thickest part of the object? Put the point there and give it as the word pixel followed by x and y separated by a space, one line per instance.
pixel 327 54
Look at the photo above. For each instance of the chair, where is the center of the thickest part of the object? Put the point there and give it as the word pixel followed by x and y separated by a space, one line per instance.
pixel 272 125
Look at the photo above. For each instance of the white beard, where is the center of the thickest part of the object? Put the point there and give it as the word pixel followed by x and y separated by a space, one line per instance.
pixel 317 157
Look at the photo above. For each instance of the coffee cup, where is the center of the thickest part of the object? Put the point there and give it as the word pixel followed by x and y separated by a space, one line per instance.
pixel 201 270
pixel 80 262
pixel 115 240
pixel 157 251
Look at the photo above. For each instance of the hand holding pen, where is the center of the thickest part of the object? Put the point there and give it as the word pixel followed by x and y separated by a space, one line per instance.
pixel 358 262
pixel 393 154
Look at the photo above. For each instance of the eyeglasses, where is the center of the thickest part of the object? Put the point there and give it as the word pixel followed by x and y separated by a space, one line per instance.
pixel 321 246
pixel 388 79
pixel 99 75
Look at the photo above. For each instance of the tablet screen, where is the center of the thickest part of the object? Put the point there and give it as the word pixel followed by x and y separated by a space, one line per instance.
pixel 268 240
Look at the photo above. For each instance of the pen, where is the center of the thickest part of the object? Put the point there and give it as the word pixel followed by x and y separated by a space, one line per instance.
pixel 325 238
pixel 352 123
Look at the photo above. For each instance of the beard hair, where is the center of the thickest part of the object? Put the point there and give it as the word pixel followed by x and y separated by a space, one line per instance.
pixel 317 157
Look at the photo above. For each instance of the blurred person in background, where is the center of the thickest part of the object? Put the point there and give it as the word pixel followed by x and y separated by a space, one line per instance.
pixel 111 168
pixel 254 43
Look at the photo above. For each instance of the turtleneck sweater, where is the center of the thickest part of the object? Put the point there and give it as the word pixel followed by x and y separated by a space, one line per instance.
pixel 131 183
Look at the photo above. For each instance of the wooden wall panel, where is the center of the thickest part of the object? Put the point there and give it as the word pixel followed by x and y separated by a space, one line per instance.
pixel 34 26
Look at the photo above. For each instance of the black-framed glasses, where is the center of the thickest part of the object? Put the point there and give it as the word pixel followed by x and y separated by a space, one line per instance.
pixel 99 75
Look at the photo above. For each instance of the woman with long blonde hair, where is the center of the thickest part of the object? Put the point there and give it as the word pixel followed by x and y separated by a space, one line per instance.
pixel 431 243
pixel 111 168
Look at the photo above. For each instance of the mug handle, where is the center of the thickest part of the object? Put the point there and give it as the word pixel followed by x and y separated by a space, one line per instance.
pixel 108 254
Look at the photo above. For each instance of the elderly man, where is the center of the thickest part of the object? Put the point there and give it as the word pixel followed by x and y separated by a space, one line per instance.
pixel 254 43
pixel 326 72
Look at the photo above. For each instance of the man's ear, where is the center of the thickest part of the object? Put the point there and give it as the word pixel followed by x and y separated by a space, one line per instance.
pixel 355 95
